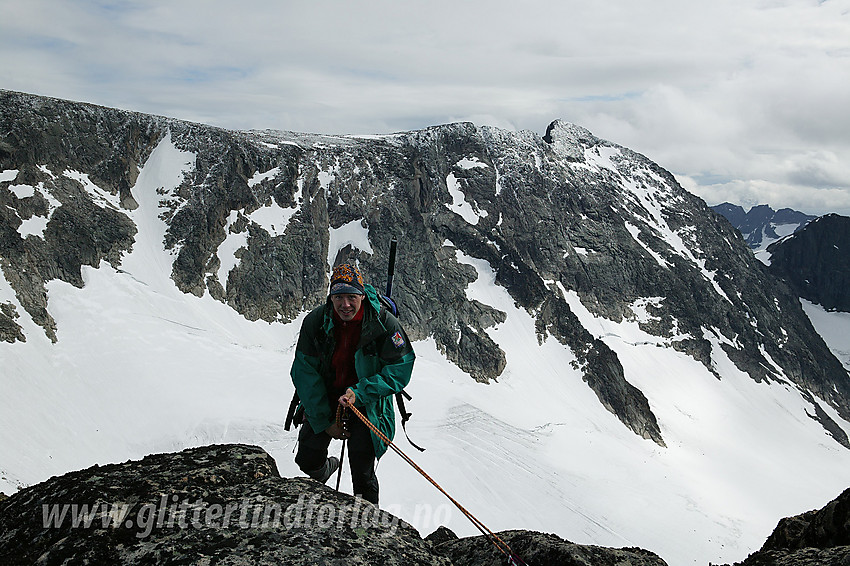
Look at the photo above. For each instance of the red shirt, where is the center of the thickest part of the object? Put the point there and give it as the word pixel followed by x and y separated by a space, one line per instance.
pixel 346 336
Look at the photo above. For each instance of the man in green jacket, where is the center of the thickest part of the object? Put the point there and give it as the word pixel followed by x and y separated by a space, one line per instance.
pixel 351 350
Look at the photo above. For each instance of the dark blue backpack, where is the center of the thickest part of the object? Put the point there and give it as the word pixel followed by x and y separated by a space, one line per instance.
pixel 392 307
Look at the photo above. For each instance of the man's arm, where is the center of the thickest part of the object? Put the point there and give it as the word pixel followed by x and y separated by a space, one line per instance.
pixel 397 357
pixel 306 378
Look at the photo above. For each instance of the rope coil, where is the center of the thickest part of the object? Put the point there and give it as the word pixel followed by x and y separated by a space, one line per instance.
pixel 501 545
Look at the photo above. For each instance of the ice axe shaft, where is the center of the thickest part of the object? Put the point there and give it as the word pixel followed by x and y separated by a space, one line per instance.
pixel 391 267
pixel 341 460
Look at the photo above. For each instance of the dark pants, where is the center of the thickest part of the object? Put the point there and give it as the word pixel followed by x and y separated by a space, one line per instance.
pixel 313 451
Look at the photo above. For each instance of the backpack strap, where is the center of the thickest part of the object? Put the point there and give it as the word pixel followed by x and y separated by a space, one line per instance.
pixel 389 304
pixel 405 416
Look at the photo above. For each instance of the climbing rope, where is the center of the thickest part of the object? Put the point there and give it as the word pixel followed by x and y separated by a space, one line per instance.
pixel 501 545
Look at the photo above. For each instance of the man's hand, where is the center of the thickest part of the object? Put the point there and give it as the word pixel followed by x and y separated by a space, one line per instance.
pixel 336 431
pixel 348 398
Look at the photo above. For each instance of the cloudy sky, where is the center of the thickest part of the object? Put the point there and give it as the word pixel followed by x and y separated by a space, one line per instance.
pixel 746 101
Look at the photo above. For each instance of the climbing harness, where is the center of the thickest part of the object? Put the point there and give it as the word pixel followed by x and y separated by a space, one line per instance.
pixel 502 546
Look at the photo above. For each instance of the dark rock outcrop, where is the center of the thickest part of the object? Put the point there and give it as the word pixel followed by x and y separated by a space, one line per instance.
pixel 210 505
pixel 442 534
pixel 227 504
pixel 815 538
pixel 10 330
pixel 816 262
pixel 540 548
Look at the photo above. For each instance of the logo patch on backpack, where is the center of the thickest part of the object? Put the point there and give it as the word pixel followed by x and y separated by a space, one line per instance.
pixel 398 340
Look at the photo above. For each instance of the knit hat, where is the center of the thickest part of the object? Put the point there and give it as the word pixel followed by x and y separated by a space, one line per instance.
pixel 346 280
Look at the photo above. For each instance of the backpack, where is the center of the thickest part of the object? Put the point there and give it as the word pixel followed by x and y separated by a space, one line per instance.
pixel 389 304
pixel 392 307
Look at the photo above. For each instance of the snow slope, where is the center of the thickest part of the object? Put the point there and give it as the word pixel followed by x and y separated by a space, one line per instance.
pixel 782 230
pixel 140 367
pixel 834 326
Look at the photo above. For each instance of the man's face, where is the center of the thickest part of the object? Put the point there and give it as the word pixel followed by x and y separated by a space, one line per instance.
pixel 346 305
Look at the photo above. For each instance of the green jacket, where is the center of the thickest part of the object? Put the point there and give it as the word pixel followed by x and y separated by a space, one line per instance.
pixel 383 362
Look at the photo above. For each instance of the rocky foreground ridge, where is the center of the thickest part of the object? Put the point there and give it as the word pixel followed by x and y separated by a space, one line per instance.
pixel 567 222
pixel 227 504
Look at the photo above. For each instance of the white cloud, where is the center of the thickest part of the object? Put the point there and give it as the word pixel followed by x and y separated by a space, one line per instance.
pixel 748 94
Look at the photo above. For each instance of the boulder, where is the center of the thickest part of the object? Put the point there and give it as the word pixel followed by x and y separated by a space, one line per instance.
pixel 207 505
pixel 227 504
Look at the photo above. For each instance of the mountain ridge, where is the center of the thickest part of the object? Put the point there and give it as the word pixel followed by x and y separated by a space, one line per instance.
pixel 230 501
pixel 812 262
pixel 278 276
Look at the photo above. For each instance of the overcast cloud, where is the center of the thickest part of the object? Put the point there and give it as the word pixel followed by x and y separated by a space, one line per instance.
pixel 746 101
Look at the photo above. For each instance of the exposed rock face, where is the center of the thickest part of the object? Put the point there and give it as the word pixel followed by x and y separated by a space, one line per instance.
pixel 816 262
pixel 10 331
pixel 541 548
pixel 226 504
pixel 567 222
pixel 762 225
pixel 216 504
pixel 817 538
pixel 59 151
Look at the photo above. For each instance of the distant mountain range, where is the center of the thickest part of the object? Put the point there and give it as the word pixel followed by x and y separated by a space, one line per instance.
pixel 762 225
pixel 808 252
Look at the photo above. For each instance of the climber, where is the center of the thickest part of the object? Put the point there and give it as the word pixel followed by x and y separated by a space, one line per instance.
pixel 351 351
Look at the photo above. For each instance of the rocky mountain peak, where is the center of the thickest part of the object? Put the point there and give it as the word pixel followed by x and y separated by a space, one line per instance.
pixel 569 140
